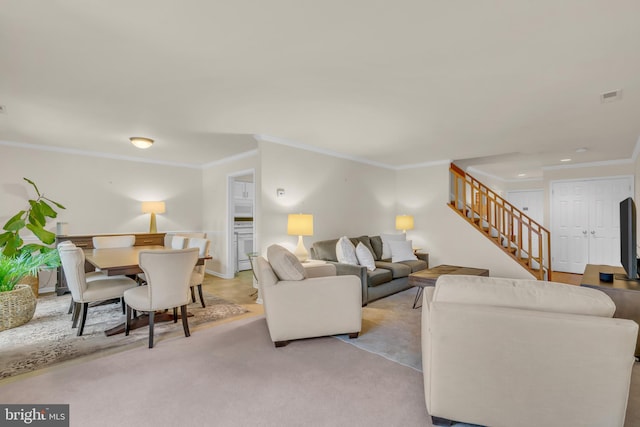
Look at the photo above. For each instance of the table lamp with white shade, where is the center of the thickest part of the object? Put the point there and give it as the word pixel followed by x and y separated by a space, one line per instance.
pixel 404 222
pixel 300 225
pixel 153 208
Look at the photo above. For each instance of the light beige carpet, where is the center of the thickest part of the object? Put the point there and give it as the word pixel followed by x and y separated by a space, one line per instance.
pixel 48 338
pixel 231 375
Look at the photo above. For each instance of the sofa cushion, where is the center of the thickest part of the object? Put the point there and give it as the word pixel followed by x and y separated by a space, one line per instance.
pixel 379 276
pixel 415 265
pixel 397 269
pixel 523 293
pixel 365 257
pixel 376 245
pixel 402 251
pixel 386 238
pixel 264 273
pixel 346 251
pixel 325 250
pixel 285 264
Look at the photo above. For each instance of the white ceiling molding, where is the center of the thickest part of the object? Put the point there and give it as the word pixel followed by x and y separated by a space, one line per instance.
pixel 589 165
pixel 95 154
pixel 282 141
pixel 231 158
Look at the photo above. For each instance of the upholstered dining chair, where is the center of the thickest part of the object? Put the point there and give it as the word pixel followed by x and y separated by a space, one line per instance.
pixel 83 291
pixel 168 273
pixel 197 276
pixel 176 242
pixel 104 242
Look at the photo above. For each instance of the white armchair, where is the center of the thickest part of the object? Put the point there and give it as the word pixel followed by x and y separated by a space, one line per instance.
pixel 311 306
pixel 504 352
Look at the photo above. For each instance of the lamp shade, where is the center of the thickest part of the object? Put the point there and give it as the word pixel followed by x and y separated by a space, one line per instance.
pixel 404 222
pixel 153 207
pixel 300 225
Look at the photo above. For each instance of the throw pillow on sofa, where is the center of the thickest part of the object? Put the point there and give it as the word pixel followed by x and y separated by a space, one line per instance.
pixel 402 251
pixel 387 239
pixel 365 257
pixel 285 264
pixel 346 252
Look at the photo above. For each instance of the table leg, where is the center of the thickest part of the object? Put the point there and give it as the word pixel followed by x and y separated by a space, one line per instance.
pixel 417 298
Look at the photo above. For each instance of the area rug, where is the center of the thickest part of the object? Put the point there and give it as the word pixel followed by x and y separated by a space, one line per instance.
pixel 391 329
pixel 49 339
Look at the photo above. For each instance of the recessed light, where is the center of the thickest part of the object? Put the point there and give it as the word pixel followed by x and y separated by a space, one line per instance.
pixel 581 150
pixel 520 175
pixel 565 160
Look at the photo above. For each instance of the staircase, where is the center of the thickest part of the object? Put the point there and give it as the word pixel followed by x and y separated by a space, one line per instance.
pixel 523 239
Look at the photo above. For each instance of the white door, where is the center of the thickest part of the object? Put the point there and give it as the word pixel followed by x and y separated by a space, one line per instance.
pixel 585 222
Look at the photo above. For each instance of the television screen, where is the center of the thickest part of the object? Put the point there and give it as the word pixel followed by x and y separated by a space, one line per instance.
pixel 628 256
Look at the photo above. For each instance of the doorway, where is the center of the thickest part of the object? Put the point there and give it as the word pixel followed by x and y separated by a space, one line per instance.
pixel 241 236
pixel 585 222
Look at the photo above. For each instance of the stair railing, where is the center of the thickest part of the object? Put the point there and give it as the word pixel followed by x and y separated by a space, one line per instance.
pixel 525 240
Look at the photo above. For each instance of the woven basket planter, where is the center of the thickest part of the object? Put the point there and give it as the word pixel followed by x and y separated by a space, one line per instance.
pixel 16 307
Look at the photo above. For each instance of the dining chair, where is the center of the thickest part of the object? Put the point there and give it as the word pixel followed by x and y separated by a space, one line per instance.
pixel 85 291
pixel 168 273
pixel 104 242
pixel 197 276
pixel 176 242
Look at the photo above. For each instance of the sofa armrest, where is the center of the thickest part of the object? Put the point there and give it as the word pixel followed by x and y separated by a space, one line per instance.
pixel 360 271
pixel 423 256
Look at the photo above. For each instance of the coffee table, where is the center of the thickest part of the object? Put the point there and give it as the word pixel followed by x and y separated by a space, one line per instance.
pixel 428 277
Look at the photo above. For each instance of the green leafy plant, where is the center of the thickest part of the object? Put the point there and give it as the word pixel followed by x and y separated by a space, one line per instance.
pixel 34 219
pixel 13 269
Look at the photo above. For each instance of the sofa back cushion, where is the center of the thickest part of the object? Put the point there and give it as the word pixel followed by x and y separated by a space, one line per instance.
pixel 264 273
pixel 376 245
pixel 285 264
pixel 325 250
pixel 525 294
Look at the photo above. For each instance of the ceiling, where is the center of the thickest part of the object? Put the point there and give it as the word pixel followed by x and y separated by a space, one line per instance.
pixel 505 87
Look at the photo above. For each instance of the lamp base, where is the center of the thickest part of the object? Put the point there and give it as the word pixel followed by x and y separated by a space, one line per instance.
pixel 301 252
pixel 152 224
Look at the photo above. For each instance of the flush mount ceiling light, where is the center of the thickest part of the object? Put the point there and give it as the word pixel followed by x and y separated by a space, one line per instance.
pixel 141 142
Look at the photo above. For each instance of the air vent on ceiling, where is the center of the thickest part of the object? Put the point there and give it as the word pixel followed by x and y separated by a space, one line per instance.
pixel 611 96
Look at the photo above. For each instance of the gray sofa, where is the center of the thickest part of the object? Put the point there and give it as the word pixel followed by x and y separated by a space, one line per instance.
pixel 388 277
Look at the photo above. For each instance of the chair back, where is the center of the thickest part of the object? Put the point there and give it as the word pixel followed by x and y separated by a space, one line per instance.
pixel 203 246
pixel 105 242
pixel 72 259
pixel 178 242
pixel 168 273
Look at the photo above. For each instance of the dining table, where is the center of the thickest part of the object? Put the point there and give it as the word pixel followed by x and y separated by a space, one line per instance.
pixel 124 261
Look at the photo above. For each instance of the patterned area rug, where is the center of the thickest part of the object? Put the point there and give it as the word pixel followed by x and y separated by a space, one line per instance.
pixel 49 339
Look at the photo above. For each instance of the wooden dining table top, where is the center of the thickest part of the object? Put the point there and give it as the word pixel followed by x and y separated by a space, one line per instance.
pixel 117 261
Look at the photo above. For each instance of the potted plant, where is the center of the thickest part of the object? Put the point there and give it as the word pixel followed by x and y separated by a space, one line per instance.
pixel 19 261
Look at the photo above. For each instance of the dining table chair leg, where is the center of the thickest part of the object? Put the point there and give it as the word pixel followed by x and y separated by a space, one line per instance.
pixel 127 325
pixel 201 297
pixel 85 308
pixel 151 316
pixel 175 314
pixel 70 306
pixel 193 295
pixel 74 316
pixel 122 303
pixel 185 323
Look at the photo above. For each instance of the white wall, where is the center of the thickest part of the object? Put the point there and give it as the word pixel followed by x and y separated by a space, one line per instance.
pixel 440 231
pixel 101 195
pixel 345 197
pixel 215 212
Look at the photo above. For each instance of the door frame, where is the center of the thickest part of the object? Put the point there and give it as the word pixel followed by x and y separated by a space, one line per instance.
pixel 231 255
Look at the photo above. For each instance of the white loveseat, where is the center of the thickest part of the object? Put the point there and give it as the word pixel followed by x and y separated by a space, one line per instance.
pixel 318 303
pixel 504 352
